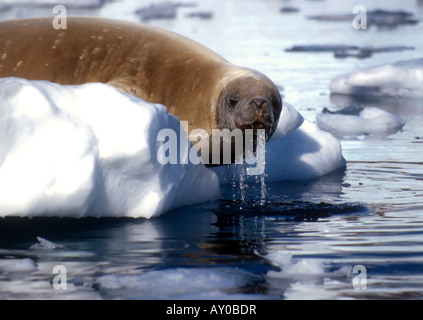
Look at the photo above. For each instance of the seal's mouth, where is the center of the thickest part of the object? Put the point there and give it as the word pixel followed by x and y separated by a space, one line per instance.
pixel 268 127
pixel 255 113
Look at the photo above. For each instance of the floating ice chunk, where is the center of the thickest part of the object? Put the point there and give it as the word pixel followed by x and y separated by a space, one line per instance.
pixel 22 265
pixel 303 277
pixel 305 154
pixel 401 79
pixel 303 267
pixel 309 290
pixel 174 283
pixel 368 121
pixel 89 150
pixel 45 244
pixel 279 258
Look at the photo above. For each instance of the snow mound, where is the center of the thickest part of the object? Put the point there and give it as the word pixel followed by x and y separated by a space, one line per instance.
pixel 89 150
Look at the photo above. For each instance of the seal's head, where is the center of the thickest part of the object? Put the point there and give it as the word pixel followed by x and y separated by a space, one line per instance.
pixel 250 101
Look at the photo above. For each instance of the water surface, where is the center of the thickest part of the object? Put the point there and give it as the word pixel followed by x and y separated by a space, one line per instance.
pixel 369 215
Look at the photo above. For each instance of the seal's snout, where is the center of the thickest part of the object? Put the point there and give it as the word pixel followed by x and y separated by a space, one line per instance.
pixel 256 113
pixel 260 103
pixel 249 102
pixel 263 109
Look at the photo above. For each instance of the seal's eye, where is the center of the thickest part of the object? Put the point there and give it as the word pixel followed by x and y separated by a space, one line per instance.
pixel 233 102
pixel 233 99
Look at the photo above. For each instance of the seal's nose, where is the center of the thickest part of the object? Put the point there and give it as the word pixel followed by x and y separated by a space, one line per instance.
pixel 263 108
pixel 259 101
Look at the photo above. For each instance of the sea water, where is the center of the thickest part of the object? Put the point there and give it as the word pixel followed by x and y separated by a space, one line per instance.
pixel 308 238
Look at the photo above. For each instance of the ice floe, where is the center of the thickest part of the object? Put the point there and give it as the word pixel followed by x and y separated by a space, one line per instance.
pixel 355 121
pixel 400 79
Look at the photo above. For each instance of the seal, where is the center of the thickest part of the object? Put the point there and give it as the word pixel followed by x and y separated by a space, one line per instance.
pixel 158 66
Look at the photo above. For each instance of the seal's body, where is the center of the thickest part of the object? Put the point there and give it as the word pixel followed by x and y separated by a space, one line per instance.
pixel 155 65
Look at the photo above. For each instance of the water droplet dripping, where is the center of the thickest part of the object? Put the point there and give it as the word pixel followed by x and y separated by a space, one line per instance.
pixel 242 185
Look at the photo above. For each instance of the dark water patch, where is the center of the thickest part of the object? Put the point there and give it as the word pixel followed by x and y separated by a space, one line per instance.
pixel 246 227
pixel 344 51
pixel 290 211
pixel 352 110
pixel 321 48
pixel 383 19
pixel 22 229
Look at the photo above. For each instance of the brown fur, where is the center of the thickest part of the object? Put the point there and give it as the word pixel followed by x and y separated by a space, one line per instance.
pixel 153 64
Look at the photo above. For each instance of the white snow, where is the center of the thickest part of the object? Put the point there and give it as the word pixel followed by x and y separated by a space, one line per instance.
pixel 89 150
pixel 289 121
pixel 370 121
pixel 400 79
